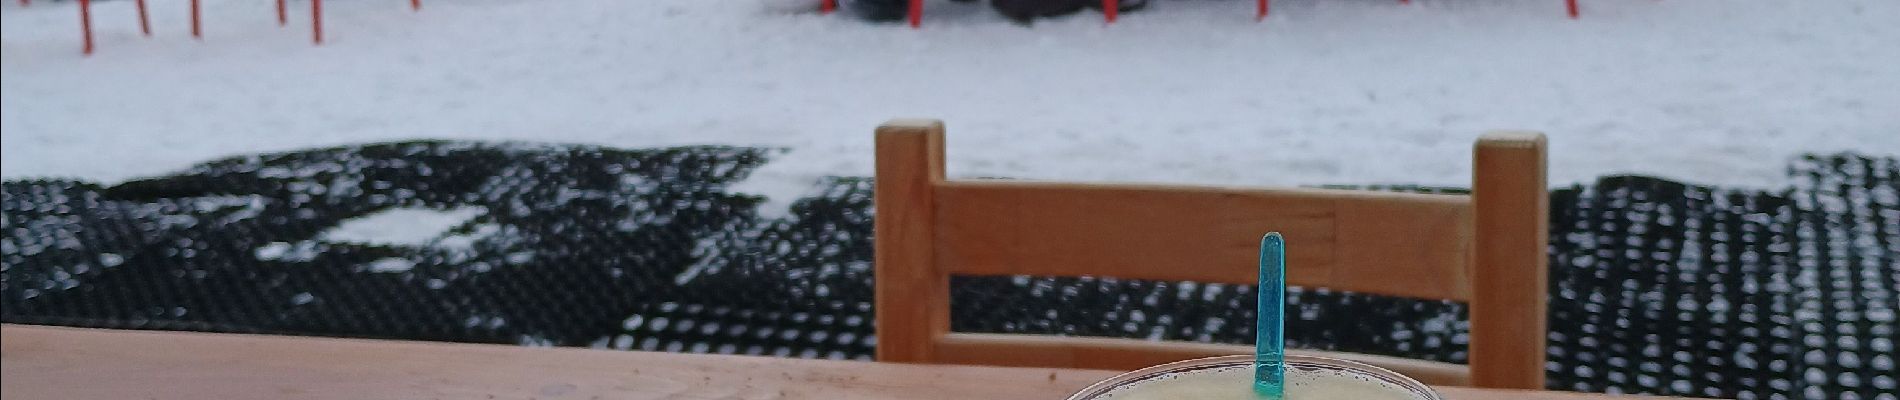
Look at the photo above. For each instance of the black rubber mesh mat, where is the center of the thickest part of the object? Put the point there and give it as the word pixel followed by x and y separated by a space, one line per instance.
pixel 1657 287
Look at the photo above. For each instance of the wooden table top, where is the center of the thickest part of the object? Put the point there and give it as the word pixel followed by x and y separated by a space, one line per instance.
pixel 67 363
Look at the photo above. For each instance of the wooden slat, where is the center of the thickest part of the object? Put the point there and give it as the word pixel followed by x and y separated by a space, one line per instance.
pixel 1401 244
pixel 909 168
pixel 1069 351
pixel 1411 245
pixel 1428 372
pixel 1129 354
pixel 43 363
pixel 1510 265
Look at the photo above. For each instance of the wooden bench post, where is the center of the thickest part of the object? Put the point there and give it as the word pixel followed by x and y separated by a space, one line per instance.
pixel 1510 265
pixel 909 167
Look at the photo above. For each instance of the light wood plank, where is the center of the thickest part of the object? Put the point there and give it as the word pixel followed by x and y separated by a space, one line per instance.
pixel 44 363
pixel 1511 268
pixel 1065 351
pixel 1399 244
pixel 913 293
pixel 1116 353
pixel 81 364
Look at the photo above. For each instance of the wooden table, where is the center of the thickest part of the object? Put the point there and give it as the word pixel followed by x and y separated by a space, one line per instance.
pixel 67 363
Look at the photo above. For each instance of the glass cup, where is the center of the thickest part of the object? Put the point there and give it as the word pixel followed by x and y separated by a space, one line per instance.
pixel 1222 371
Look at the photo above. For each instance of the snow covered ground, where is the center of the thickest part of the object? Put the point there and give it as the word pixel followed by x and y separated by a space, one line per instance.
pixel 405 227
pixel 1326 91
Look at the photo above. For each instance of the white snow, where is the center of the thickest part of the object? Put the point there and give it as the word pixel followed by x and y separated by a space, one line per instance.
pixel 110 259
pixel 465 241
pixel 1326 91
pixel 272 250
pixel 404 227
pixel 391 265
pixel 303 298
pixel 302 251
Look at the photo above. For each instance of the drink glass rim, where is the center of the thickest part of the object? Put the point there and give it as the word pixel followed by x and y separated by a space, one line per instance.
pixel 1117 381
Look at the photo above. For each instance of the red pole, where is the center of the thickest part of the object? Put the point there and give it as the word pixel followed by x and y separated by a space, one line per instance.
pixel 316 21
pixel 916 13
pixel 85 23
pixel 145 22
pixel 197 31
pixel 1573 8
pixel 24 3
pixel 1262 15
pixel 415 5
pixel 1109 10
pixel 828 6
pixel 282 19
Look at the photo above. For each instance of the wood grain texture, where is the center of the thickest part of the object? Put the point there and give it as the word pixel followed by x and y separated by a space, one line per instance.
pixel 80 364
pixel 1130 354
pixel 44 363
pixel 1511 268
pixel 1400 244
pixel 914 291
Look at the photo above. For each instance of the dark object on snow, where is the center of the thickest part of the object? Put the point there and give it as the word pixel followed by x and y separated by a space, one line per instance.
pixel 1024 11
pixel 884 10
pixel 880 10
pixel 1123 5
pixel 1021 11
pixel 1657 287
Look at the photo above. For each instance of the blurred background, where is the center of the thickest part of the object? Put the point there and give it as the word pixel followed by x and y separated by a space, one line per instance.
pixel 691 175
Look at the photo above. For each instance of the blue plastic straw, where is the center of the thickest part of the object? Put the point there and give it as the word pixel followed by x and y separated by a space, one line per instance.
pixel 1269 358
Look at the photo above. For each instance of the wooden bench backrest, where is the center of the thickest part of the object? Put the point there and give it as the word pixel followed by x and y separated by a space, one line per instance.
pixel 1483 249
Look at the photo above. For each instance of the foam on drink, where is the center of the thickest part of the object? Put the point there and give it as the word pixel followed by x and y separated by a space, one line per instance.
pixel 1236 383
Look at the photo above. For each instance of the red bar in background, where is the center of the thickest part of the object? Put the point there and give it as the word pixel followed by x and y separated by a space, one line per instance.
pixel 1263 11
pixel 197 30
pixel 316 21
pixel 828 6
pixel 85 23
pixel 282 18
pixel 145 21
pixel 415 5
pixel 916 13
pixel 1573 8
pixel 1110 10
